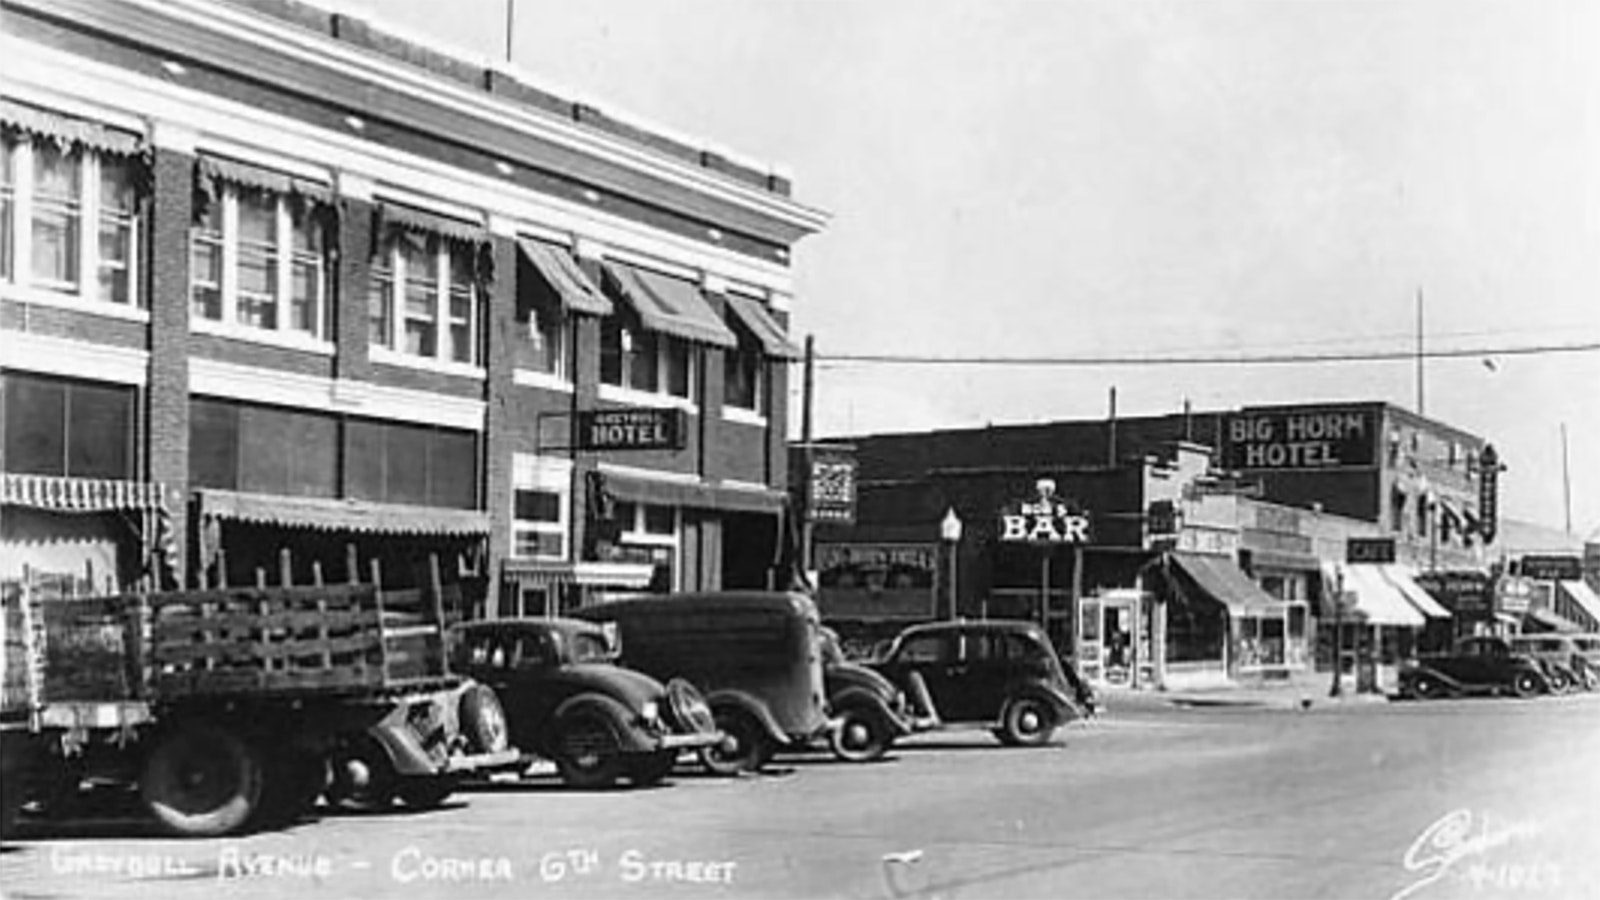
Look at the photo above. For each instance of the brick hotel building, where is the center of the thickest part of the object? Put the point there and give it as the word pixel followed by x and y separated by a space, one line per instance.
pixel 278 278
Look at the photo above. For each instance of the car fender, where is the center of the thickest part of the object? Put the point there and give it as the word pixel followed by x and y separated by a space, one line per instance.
pixel 403 747
pixel 1423 669
pixel 1060 704
pixel 623 722
pixel 855 697
pixel 729 699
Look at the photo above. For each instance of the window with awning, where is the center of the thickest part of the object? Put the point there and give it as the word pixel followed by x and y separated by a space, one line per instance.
pixel 668 305
pixel 1224 582
pixel 1376 599
pixel 1582 603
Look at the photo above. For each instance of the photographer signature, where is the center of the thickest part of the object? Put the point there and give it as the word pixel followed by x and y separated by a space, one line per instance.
pixel 1453 838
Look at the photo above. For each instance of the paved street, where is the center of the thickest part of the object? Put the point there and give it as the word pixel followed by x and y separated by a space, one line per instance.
pixel 1469 798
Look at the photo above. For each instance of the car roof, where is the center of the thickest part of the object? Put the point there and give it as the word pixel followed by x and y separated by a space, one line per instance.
pixel 787 601
pixel 1006 626
pixel 530 623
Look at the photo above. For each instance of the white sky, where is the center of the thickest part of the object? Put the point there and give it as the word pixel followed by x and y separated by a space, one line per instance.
pixel 1122 177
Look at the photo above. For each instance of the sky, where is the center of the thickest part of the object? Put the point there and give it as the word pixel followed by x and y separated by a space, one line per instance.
pixel 1129 178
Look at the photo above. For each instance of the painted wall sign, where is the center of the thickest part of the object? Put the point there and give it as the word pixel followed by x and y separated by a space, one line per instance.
pixel 1469 595
pixel 1044 519
pixel 877 580
pixel 1301 439
pixel 1552 568
pixel 638 428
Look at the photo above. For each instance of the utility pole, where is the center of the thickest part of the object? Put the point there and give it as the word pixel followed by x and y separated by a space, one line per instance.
pixel 807 392
pixel 1566 479
pixel 510 19
pixel 1422 408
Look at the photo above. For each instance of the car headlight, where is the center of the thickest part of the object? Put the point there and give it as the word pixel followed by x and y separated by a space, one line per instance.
pixel 650 712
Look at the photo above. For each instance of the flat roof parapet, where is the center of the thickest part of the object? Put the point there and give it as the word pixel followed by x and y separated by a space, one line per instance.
pixel 358 26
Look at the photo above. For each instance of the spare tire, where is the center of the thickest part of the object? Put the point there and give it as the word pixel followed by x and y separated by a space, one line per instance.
pixel 687 710
pixel 483 720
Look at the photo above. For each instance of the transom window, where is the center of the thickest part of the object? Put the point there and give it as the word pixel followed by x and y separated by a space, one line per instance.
pixel 69 219
pixel 643 360
pixel 424 300
pixel 259 259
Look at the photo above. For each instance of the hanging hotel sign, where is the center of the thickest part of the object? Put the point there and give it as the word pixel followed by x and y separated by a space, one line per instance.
pixel 1301 439
pixel 635 428
pixel 1043 519
pixel 830 480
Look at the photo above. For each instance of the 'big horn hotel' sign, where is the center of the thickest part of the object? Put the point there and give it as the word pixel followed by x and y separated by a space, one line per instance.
pixel 1043 519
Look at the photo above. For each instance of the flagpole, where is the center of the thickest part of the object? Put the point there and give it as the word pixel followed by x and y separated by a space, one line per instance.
pixel 510 18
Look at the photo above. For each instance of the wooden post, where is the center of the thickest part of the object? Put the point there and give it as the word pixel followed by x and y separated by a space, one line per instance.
pixel 261 577
pixel 285 568
pixel 436 594
pixel 316 572
pixel 352 564
pixel 222 568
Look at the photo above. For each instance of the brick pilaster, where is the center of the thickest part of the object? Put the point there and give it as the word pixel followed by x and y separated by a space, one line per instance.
pixel 167 429
pixel 498 438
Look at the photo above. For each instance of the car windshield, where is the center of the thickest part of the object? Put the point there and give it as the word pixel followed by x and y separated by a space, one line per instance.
pixel 590 648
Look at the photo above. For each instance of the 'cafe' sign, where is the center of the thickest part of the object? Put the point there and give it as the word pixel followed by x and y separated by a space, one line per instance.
pixel 1043 519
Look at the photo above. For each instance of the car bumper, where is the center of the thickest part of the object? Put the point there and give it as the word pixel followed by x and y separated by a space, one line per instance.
pixel 509 758
pixel 692 741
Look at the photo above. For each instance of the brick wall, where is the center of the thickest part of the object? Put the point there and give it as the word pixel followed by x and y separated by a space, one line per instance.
pixel 168 422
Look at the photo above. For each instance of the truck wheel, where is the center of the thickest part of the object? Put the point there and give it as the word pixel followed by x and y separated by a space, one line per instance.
pixel 651 768
pixel 425 791
pixel 587 756
pixel 861 736
pixel 483 720
pixel 361 779
pixel 1027 722
pixel 202 781
pixel 746 747
pixel 1525 684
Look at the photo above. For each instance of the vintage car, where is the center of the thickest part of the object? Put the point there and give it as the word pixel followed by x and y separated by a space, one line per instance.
pixel 1563 660
pixel 1588 645
pixel 567 700
pixel 756 656
pixel 1478 665
pixel 1001 675
pixel 869 712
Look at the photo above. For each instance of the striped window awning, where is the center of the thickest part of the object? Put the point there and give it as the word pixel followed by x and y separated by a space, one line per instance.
pixel 325 514
pixel 209 170
pixel 67 130
pixel 90 495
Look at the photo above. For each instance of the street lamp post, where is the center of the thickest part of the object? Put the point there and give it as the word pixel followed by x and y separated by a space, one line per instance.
pixel 1338 634
pixel 950 533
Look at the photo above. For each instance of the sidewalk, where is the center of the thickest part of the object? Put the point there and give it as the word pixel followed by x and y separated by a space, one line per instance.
pixel 1304 690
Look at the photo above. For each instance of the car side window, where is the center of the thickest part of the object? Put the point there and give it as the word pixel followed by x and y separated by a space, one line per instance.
pixel 534 651
pixel 925 648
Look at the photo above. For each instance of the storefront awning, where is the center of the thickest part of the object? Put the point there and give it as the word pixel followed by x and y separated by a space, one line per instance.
pixel 774 342
pixel 1547 620
pixel 576 291
pixel 669 305
pixel 693 494
pixel 1414 593
pixel 341 515
pixel 68 130
pixel 1377 600
pixel 1582 596
pixel 211 169
pixel 1227 584
pixel 87 495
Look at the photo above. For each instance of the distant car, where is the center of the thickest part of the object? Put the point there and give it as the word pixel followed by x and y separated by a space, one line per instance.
pixel 1563 660
pixel 869 712
pixel 1003 675
pixel 1478 665
pixel 566 700
pixel 1588 645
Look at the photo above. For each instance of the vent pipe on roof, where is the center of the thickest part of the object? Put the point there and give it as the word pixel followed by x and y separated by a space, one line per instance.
pixel 1111 431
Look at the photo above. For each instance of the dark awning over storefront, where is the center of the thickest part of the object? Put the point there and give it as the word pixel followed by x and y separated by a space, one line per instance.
pixel 670 305
pixel 774 342
pixel 1226 583
pixel 341 515
pixel 576 291
pixel 693 494
pixel 1542 619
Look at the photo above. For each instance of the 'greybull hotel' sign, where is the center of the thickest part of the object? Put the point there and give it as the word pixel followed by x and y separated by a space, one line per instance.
pixel 1301 439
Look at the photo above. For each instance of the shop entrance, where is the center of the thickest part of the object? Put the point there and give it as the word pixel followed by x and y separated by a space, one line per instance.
pixel 1122 647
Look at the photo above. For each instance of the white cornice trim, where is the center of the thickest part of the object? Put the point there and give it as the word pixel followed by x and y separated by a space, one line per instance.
pixel 223 379
pixel 25 351
pixel 58 77
pixel 323 52
pixel 644 474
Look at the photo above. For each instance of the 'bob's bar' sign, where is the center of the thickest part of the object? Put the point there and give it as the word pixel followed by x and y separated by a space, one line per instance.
pixel 1043 519
pixel 1301 439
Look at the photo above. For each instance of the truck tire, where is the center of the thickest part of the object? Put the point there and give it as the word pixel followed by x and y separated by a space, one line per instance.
pixel 361 776
pixel 862 735
pixel 483 720
pixel 746 747
pixel 202 781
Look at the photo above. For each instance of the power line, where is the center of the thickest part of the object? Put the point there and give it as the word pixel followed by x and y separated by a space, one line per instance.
pixel 1205 359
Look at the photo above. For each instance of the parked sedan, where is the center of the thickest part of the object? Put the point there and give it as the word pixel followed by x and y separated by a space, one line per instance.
pixel 1479 665
pixel 1000 675
pixel 566 699
pixel 869 712
pixel 1563 660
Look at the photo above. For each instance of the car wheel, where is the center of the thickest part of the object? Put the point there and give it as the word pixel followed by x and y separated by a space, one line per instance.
pixel 651 768
pixel 861 736
pixel 1559 682
pixel 588 757
pixel 202 781
pixel 1027 722
pixel 1591 679
pixel 425 791
pixel 1525 684
pixel 746 747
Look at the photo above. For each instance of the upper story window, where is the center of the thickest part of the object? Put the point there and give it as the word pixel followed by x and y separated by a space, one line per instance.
pixel 744 379
pixel 642 360
pixel 552 291
pixel 259 257
pixel 547 345
pixel 425 299
pixel 747 366
pixel 541 507
pixel 70 196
